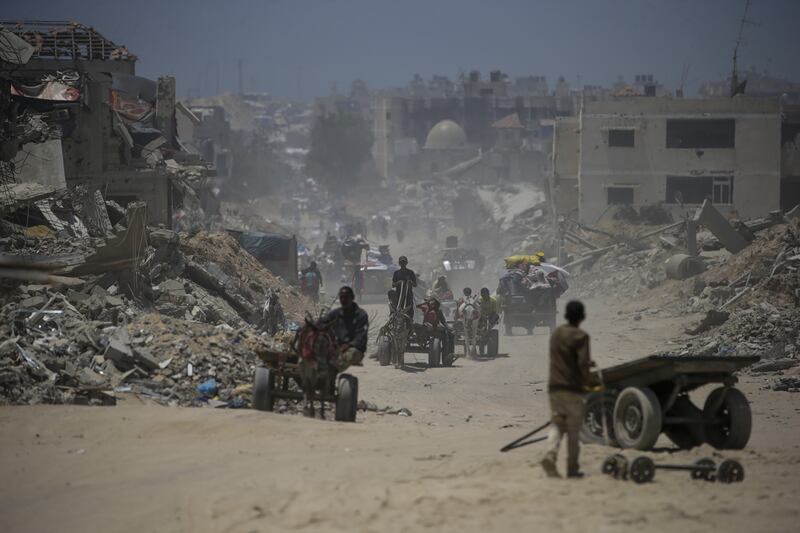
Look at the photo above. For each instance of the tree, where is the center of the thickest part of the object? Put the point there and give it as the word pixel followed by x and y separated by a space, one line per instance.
pixel 340 144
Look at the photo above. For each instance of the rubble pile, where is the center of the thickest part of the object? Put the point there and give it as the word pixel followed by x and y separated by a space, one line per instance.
pixel 59 355
pixel 187 313
pixel 760 288
pixel 237 274
pixel 623 271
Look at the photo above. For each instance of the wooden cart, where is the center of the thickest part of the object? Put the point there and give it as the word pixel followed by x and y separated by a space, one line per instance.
pixel 280 377
pixel 648 396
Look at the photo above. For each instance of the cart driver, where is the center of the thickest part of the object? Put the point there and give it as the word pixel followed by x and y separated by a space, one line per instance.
pixel 350 329
pixel 490 311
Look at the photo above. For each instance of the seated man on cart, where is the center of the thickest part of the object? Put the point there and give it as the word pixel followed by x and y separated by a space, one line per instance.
pixel 490 310
pixel 350 327
pixel 433 316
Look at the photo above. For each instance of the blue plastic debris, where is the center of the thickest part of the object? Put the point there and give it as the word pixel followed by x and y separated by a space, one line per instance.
pixel 208 388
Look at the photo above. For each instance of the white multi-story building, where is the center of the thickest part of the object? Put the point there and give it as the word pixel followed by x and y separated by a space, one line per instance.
pixel 676 152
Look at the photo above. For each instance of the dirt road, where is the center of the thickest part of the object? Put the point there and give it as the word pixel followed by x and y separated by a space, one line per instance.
pixel 147 468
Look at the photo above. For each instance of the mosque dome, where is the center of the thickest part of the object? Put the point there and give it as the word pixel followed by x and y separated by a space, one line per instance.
pixel 446 135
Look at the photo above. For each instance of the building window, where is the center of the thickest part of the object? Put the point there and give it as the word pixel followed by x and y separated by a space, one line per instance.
pixel 696 189
pixel 620 195
pixel 701 133
pixel 723 190
pixel 621 138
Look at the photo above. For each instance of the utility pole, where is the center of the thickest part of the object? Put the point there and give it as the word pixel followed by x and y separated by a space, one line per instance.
pixel 241 77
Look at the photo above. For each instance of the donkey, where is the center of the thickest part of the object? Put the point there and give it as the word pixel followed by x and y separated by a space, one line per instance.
pixel 470 313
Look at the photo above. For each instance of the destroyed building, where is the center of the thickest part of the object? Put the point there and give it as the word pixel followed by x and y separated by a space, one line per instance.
pixel 99 125
pixel 642 151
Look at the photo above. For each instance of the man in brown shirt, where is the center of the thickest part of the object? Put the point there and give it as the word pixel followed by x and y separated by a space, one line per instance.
pixel 569 379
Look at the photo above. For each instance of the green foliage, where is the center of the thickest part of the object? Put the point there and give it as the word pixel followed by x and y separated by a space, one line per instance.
pixel 340 145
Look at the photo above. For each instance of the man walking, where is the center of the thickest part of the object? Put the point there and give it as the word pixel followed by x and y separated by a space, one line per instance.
pixel 569 378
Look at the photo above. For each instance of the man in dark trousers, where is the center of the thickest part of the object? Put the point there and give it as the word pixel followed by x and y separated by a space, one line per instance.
pixel 351 327
pixel 570 377
pixel 404 278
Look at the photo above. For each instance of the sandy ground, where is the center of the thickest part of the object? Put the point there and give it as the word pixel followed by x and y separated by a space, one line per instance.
pixel 146 468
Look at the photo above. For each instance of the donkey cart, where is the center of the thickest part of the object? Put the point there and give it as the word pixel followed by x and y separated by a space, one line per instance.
pixel 306 373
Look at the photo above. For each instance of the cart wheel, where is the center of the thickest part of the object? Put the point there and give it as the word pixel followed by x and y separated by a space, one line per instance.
pixel 612 464
pixel 707 472
pixel 642 470
pixel 637 418
pixel 729 427
pixel 263 389
pixel 435 353
pixel 448 354
pixel 493 346
pixel 509 330
pixel 730 471
pixel 347 398
pixel 598 410
pixel 685 436
pixel 384 351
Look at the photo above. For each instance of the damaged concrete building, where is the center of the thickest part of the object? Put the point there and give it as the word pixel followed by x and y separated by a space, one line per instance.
pixel 643 151
pixel 99 124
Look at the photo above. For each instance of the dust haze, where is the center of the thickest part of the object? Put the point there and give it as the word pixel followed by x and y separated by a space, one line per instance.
pixel 399 266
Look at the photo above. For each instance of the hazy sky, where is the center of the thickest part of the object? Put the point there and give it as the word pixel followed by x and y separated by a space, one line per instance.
pixel 299 47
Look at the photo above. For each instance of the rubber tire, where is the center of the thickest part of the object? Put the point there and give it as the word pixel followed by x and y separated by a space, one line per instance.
pixel 586 435
pixel 448 358
pixel 435 353
pixel 730 471
pixel 651 418
pixel 642 470
pixel 384 351
pixel 263 387
pixel 493 344
pixel 346 398
pixel 740 420
pixel 686 436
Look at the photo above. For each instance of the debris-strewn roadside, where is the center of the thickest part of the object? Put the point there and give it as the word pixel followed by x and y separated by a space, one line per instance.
pixel 181 311
pixel 750 300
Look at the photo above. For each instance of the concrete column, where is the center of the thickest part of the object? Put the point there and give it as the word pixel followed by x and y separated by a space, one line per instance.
pixel 165 108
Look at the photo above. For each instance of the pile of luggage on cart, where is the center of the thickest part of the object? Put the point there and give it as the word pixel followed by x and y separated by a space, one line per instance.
pixel 529 291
